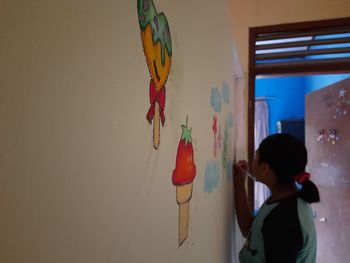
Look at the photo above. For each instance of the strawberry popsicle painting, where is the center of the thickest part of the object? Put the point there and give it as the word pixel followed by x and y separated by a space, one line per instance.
pixel 157 47
pixel 183 175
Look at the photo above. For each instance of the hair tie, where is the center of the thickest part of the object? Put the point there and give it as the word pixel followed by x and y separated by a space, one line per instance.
pixel 302 177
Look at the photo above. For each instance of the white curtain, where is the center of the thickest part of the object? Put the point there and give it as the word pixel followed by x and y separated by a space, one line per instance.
pixel 261 131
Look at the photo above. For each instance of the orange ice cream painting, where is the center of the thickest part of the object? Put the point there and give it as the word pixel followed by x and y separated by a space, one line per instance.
pixel 157 47
pixel 183 175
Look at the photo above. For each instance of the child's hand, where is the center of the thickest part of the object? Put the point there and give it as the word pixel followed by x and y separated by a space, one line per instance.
pixel 240 169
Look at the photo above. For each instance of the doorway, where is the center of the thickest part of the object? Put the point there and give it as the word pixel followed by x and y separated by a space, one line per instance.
pixel 319 47
pixel 280 108
pixel 299 51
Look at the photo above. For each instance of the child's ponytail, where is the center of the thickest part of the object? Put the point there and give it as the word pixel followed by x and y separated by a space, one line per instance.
pixel 309 192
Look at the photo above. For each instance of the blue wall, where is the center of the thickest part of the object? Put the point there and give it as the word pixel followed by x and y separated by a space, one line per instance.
pixel 286 95
pixel 286 98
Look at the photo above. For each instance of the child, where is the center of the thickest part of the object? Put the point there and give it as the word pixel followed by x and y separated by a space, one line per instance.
pixel 283 230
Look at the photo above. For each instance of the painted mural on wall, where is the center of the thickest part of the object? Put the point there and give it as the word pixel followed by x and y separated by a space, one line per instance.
pixel 182 177
pixel 227 164
pixel 219 101
pixel 217 136
pixel 211 177
pixel 225 93
pixel 215 99
pixel 215 102
pixel 157 47
pixel 230 161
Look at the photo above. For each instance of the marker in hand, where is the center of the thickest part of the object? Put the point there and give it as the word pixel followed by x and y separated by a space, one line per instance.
pixel 251 177
pixel 243 167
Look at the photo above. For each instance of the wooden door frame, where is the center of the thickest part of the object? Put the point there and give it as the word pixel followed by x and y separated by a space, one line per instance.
pixel 304 69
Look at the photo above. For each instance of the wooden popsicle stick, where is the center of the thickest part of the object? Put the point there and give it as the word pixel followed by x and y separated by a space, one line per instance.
pixel 156 127
pixel 184 210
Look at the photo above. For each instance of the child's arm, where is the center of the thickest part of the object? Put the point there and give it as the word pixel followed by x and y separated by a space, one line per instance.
pixel 244 215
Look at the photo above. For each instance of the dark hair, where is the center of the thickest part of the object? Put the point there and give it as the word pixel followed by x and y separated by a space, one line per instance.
pixel 287 157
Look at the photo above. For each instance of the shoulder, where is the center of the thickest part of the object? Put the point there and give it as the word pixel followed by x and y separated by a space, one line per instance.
pixel 284 219
pixel 286 208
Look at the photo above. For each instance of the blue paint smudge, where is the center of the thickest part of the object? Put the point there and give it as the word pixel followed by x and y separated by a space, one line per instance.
pixel 225 92
pixel 229 169
pixel 215 99
pixel 229 120
pixel 211 177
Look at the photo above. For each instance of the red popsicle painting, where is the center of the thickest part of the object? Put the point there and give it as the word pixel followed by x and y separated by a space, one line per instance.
pixel 183 176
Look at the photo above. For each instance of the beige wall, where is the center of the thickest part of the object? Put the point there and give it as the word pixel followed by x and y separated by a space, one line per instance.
pixel 79 178
pixel 253 13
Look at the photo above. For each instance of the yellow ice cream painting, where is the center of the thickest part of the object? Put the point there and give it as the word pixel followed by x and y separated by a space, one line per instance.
pixel 156 41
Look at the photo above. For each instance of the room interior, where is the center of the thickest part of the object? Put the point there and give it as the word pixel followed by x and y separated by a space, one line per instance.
pixel 283 104
pixel 88 168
